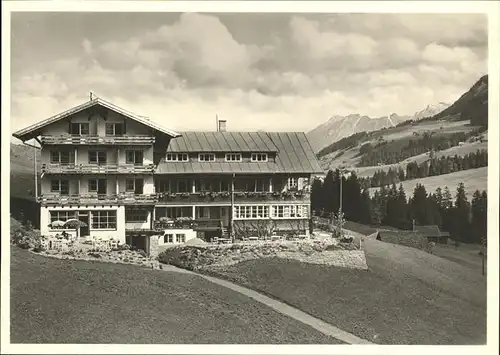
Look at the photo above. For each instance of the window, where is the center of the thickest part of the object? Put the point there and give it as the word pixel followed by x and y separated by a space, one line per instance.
pixel 251 212
pixel 62 215
pixel 182 186
pixel 292 183
pixel 177 157
pixel 135 157
pixel 61 186
pixel 135 185
pixel 98 185
pixel 233 157
pixel 104 219
pixel 206 157
pixel 115 129
pixel 181 238
pixel 136 216
pixel 176 212
pixel 60 157
pixel 290 211
pixel 252 185
pixel 207 185
pixel 97 157
pixel 79 129
pixel 262 157
pixel 168 238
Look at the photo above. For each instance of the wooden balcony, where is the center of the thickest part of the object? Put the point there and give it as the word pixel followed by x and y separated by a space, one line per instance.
pixel 115 199
pixel 97 140
pixel 225 197
pixel 81 169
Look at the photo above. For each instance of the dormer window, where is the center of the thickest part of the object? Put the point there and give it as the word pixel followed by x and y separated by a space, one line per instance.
pixel 115 129
pixel 180 157
pixel 206 157
pixel 259 157
pixel 292 183
pixel 233 157
pixel 79 129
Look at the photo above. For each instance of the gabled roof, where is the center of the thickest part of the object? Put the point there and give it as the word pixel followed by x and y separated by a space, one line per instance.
pixel 240 142
pixel 33 130
pixel 428 231
pixel 293 155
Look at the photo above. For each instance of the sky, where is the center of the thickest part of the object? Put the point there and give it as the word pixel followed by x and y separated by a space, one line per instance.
pixel 275 72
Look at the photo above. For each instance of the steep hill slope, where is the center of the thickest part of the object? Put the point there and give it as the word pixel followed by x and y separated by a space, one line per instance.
pixel 472 105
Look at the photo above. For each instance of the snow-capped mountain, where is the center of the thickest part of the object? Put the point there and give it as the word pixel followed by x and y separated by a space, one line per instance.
pixel 430 110
pixel 338 127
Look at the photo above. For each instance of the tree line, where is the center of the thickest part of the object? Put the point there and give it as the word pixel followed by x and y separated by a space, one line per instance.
pixel 433 167
pixel 393 152
pixel 465 221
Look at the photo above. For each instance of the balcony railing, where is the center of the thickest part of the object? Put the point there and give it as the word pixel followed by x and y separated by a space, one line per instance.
pixel 115 199
pixel 99 140
pixel 225 197
pixel 97 169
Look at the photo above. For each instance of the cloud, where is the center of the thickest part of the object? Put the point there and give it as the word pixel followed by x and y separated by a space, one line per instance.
pixel 312 67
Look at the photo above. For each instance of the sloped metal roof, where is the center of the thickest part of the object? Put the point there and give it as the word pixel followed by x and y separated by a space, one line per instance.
pixel 293 154
pixel 241 142
pixel 32 131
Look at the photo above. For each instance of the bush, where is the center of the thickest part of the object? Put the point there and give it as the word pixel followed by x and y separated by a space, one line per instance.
pixel 38 249
pixel 142 253
pixel 123 247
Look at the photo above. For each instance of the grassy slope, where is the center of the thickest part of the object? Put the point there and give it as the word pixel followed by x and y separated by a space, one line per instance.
pixel 407 296
pixel 473 179
pixel 55 301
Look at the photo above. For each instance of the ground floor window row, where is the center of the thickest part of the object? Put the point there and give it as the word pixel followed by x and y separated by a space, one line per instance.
pixel 97 219
pixel 174 238
pixel 273 211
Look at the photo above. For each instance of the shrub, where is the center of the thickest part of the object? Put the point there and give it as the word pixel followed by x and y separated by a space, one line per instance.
pixel 142 253
pixel 38 249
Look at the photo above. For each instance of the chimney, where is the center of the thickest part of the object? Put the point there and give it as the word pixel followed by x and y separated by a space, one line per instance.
pixel 222 125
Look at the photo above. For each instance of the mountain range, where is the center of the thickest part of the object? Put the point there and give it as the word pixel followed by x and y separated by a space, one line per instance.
pixel 338 127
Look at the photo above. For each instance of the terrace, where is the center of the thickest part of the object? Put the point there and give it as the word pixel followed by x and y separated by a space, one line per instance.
pixel 96 140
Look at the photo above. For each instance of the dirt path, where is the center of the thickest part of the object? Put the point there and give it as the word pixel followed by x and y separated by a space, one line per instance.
pixel 280 307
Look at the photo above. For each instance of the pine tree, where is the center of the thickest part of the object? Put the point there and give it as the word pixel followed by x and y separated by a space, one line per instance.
pixel 460 226
pixel 317 200
pixel 419 205
pixel 479 212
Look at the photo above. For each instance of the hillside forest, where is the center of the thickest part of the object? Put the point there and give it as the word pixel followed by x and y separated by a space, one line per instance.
pixel 466 221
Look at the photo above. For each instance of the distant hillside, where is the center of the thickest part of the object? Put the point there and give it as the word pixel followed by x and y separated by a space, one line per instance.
pixel 338 127
pixel 467 116
pixel 473 179
pixel 473 105
pixel 22 179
